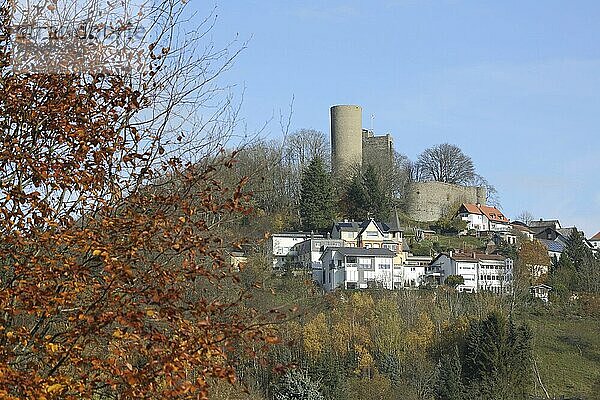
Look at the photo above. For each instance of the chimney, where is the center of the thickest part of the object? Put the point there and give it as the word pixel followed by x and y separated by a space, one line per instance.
pixel 450 254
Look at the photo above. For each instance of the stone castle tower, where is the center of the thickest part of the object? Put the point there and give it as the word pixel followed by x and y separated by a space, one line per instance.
pixel 353 146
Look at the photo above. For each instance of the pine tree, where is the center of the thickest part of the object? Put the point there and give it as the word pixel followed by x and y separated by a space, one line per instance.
pixel 563 276
pixel 316 205
pixel 450 386
pixel 378 204
pixel 497 359
pixel 366 197
pixel 586 265
pixel 356 199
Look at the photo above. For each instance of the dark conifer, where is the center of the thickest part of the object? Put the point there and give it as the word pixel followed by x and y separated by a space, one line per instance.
pixel 316 205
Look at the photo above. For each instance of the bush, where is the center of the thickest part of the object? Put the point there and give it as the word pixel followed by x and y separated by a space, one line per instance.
pixel 297 385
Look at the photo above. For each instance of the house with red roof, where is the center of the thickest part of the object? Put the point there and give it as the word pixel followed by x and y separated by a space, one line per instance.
pixel 482 218
pixel 595 241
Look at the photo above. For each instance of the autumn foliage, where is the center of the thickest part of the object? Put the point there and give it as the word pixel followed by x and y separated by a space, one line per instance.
pixel 115 278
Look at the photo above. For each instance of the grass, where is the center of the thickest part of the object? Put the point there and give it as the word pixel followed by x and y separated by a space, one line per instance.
pixel 462 242
pixel 567 353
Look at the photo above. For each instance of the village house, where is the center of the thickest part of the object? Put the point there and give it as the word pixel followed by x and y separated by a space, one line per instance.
pixel 281 245
pixel 412 273
pixel 520 228
pixel 372 234
pixel 595 241
pixel 540 292
pixel 357 268
pixel 555 238
pixel 307 255
pixel 490 272
pixel 482 218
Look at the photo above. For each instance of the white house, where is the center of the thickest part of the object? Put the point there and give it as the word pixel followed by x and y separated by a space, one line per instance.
pixel 281 245
pixel 540 292
pixel 522 229
pixel 412 272
pixel 482 218
pixel 308 255
pixel 595 241
pixel 357 268
pixel 489 272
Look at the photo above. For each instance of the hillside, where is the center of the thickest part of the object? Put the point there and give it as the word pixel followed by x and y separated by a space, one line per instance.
pixel 567 352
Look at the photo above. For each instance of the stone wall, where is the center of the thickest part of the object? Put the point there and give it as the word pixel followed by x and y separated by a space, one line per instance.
pixel 429 201
pixel 377 150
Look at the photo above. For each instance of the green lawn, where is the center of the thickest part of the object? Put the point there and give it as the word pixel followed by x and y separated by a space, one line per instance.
pixel 567 352
pixel 462 242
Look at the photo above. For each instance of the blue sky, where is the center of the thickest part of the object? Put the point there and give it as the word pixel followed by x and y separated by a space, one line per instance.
pixel 515 84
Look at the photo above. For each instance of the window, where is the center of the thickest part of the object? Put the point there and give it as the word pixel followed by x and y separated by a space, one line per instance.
pixel 351 275
pixel 384 264
pixel 339 263
pixel 372 234
pixel 351 260
pixel 364 262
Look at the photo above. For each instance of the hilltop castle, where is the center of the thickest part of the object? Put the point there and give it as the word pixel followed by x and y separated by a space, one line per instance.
pixel 353 146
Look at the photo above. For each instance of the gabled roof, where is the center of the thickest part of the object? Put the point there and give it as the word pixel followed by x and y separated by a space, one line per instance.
pixel 381 227
pixel 463 257
pixel 394 224
pixel 520 228
pixel 553 223
pixel 493 214
pixel 472 257
pixel 541 285
pixel 358 251
pixel 596 237
pixel 471 208
pixel 347 226
pixel 567 232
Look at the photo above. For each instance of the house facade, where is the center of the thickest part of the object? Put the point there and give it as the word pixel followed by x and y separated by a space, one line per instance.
pixel 488 272
pixel 357 268
pixel 281 246
pixel 412 272
pixel 307 255
pixel 595 241
pixel 482 218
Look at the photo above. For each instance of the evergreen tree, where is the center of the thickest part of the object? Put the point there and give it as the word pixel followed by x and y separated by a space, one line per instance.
pixel 316 205
pixel 366 197
pixel 586 265
pixel 563 276
pixel 356 199
pixel 496 359
pixel 378 204
pixel 450 386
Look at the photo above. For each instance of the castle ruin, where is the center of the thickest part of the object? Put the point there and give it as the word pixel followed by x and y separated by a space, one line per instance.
pixel 353 146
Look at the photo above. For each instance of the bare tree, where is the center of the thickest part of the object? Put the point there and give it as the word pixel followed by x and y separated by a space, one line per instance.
pixel 525 216
pixel 446 163
pixel 304 145
pixel 491 194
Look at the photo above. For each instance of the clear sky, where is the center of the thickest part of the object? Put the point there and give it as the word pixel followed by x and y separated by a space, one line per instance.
pixel 515 84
